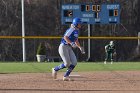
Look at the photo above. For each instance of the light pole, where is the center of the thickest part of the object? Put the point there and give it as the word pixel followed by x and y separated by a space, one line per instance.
pixel 23 33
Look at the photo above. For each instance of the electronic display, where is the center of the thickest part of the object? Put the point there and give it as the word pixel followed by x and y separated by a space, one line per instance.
pixel 91 13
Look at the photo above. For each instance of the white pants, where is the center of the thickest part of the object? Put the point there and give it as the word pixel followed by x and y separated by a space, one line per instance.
pixel 67 55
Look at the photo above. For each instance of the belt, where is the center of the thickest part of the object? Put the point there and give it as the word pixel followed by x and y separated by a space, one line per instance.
pixel 65 44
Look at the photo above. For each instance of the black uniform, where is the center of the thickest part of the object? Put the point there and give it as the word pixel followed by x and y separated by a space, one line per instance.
pixel 110 50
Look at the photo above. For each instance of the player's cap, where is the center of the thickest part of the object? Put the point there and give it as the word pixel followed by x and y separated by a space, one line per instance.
pixel 111 42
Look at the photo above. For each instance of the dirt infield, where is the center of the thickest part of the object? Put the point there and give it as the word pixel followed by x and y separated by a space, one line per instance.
pixel 84 82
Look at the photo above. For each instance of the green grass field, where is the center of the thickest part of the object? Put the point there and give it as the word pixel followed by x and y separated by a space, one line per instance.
pixel 34 67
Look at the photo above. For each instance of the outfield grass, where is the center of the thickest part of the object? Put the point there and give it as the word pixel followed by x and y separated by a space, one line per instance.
pixel 34 67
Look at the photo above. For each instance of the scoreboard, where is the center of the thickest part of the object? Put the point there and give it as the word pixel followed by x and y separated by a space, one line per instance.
pixel 91 13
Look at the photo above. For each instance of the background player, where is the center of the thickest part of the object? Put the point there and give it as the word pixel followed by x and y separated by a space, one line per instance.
pixel 69 41
pixel 110 52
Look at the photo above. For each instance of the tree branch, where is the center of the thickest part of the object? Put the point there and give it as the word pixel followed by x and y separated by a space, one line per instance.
pixel 5 4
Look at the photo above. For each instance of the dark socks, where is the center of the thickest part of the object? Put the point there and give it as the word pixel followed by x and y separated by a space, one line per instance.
pixel 61 66
pixel 69 70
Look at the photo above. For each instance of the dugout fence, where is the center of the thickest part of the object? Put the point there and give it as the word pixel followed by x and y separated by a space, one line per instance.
pixel 11 48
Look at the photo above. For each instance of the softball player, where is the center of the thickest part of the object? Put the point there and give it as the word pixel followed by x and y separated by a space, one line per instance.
pixel 69 41
pixel 110 51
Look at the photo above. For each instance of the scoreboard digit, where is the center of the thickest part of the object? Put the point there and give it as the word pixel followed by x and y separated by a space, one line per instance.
pixel 91 13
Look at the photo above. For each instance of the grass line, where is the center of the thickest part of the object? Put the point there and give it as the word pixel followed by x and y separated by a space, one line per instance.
pixel 34 67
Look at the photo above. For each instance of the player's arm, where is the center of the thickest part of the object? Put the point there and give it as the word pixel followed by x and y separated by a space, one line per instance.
pixel 106 48
pixel 66 36
pixel 77 44
pixel 67 39
pixel 80 47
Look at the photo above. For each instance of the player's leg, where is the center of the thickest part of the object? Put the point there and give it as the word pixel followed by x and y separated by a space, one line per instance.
pixel 63 51
pixel 111 57
pixel 106 57
pixel 57 68
pixel 72 66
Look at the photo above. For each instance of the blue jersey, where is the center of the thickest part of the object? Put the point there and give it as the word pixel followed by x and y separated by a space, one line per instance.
pixel 72 34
